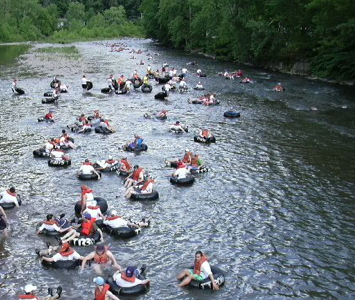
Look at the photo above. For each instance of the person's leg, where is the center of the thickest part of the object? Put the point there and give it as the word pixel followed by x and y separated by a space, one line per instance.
pixel 70 238
pixel 183 274
pixel 186 280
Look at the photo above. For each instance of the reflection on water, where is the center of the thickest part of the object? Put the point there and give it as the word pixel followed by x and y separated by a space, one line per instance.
pixel 275 211
pixel 9 53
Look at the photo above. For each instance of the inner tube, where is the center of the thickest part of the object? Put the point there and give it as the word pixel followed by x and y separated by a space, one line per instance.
pixel 199 139
pixel 137 82
pixel 59 163
pixel 62 264
pixel 100 202
pixel 206 284
pixel 84 240
pixel 143 147
pixel 122 232
pixel 113 168
pixel 48 94
pixel 49 100
pixel 199 89
pixel 18 91
pixel 162 80
pixel 47 232
pixel 42 119
pixel 182 181
pixel 53 83
pixel 134 290
pixel 202 75
pixel 106 90
pixel 231 114
pixel 161 96
pixel 124 173
pixel 11 205
pixel 40 153
pixel 92 176
pixel 203 169
pixel 89 85
pixel 121 91
pixel 146 88
pixel 103 130
pixel 151 196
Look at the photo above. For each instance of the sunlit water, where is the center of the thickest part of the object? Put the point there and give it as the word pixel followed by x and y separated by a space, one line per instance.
pixel 275 211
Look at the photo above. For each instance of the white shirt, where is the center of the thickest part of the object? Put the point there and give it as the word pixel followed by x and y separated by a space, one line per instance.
pixel 83 80
pixel 167 87
pixel 86 169
pixel 149 68
pixel 199 86
pixel 48 146
pixel 94 213
pixel 181 172
pixel 123 283
pixel 198 71
pixel 73 256
pixel 171 73
pixel 184 71
pixel 48 227
pixel 57 154
pixel 7 198
pixel 182 84
pixel 119 222
pixel 205 270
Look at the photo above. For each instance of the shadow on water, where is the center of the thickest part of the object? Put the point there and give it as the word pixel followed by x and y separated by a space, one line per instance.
pixel 9 53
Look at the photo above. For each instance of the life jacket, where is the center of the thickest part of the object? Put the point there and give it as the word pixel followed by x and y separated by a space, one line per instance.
pixel 87 191
pixel 136 174
pixel 144 187
pixel 180 165
pixel 87 227
pixel 87 163
pixel 101 294
pixel 28 297
pixel 48 116
pixel 107 123
pixel 113 218
pixel 194 161
pixel 69 251
pixel 205 133
pixel 101 259
pixel 186 158
pixel 127 164
pixel 11 194
pixel 50 222
pixel 129 279
pixel 110 161
pixel 57 141
pixel 197 266
pixel 83 119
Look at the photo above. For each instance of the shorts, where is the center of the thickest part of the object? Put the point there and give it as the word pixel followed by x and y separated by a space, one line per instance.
pixel 196 277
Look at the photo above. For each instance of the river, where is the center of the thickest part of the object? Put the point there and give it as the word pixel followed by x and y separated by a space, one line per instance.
pixel 275 211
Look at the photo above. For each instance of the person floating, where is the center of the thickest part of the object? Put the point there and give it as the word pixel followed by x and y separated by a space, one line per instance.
pixel 30 293
pixel 102 258
pixel 128 278
pixel 201 271
pixel 9 196
pixel 87 168
pixel 102 290
pixel 50 224
pixel 135 178
pixel 278 88
pixel 65 253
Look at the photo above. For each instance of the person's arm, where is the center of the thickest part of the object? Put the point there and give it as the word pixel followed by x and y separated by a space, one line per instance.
pixel 111 296
pixel 4 214
pixel 113 260
pixel 86 258
pixel 16 202
pixel 214 284
pixel 97 173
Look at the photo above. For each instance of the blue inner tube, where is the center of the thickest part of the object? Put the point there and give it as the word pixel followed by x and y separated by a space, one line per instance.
pixel 231 114
pixel 40 153
pixel 183 181
pixel 62 264
pixel 199 139
pixel 121 232
pixel 206 284
pixel 143 147
pixel 92 176
pixel 134 290
pixel 11 205
pixel 103 130
pixel 100 202
pixel 151 196
pixel 58 163
pixel 146 88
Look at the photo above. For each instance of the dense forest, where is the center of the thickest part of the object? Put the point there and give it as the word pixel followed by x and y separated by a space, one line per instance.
pixel 258 31
pixel 65 20
pixel 320 32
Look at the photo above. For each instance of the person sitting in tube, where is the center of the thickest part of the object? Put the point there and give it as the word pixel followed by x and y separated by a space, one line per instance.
pixel 162 114
pixel 178 126
pixel 116 221
pixel 181 170
pixel 87 169
pixel 102 258
pixel 49 115
pixel 183 85
pixel 125 165
pixel 50 145
pixel 9 196
pixel 205 134
pixel 138 141
pixel 50 224
pixel 105 124
pixel 84 82
pixel 135 178
pixel 110 82
pixel 199 86
pixel 278 88
pixel 87 198
pixel 102 290
pixel 30 293
pixel 128 278
pixel 196 163
pixel 186 159
pixel 65 141
pixel 201 271
pixel 88 228
pixel 94 211
pixel 65 253
pixel 146 188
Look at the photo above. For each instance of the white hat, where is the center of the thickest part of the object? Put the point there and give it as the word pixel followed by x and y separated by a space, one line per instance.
pixel 114 213
pixel 30 288
pixel 187 150
pixel 110 157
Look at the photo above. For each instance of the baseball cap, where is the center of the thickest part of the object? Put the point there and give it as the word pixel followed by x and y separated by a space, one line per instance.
pixel 100 248
pixel 87 216
pixel 30 288
pixel 130 271
pixel 99 281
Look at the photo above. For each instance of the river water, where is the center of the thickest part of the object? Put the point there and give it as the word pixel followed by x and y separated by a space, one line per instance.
pixel 275 211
